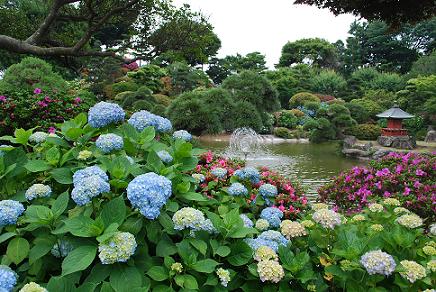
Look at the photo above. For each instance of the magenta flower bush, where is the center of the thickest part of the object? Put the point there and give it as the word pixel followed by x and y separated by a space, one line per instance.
pixel 408 177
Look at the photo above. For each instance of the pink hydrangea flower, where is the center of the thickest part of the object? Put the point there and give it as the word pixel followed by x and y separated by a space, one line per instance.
pixel 37 91
pixel 2 98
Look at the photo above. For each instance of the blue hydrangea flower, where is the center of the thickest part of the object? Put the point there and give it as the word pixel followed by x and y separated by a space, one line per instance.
pixel 89 188
pixel 182 134
pixel 247 221
pixel 105 113
pixel 62 248
pixel 163 125
pixel 149 192
pixel 10 210
pixel 38 191
pixel 143 119
pixel 268 191
pixel 109 142
pixel 237 189
pixel 270 238
pixel 88 172
pixel 165 156
pixel 219 172
pixel 8 278
pixel 38 137
pixel 248 173
pixel 272 215
pixel 378 262
pixel 119 248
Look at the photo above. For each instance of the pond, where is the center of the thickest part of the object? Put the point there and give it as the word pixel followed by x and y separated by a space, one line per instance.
pixel 311 164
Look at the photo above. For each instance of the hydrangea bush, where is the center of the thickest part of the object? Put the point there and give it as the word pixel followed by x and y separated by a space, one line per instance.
pixel 76 218
pixel 407 177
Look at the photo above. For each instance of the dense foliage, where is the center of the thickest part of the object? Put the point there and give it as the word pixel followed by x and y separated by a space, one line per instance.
pixel 138 210
pixel 407 177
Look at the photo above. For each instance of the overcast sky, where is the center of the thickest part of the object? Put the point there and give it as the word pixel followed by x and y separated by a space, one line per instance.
pixel 246 26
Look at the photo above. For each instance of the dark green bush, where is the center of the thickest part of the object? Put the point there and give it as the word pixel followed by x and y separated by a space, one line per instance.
pixel 150 76
pixel 254 88
pixel 329 82
pixel 221 102
pixel 268 122
pixel 124 86
pixel 324 131
pixel 287 119
pixel 245 114
pixel 190 112
pixel 300 99
pixel 283 133
pixel 371 107
pixel 358 112
pixel 365 131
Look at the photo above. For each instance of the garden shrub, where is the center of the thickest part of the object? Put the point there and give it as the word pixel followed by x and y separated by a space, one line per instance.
pixel 189 112
pixel 358 112
pixel 324 97
pixel 287 119
pixel 254 88
pixel 384 98
pixel 268 121
pixel 408 177
pixel 323 131
pixel 32 73
pixel 245 114
pixel 162 99
pixel 312 106
pixel 298 113
pixel 371 107
pixel 122 87
pixel 150 76
pixel 329 82
pixel 183 78
pixel 390 82
pixel 301 98
pixel 137 210
pixel 365 131
pixel 283 132
pixel 340 116
pixel 221 102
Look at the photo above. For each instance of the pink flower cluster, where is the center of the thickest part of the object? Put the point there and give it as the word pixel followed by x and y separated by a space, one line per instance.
pixel 290 199
pixel 409 177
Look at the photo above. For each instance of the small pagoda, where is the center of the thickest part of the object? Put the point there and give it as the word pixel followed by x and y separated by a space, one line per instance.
pixel 394 135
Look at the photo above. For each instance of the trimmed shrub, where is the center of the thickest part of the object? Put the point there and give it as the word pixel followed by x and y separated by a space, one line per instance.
pixel 329 82
pixel 284 133
pixel 122 87
pixel 384 98
pixel 287 119
pixel 32 73
pixel 189 112
pixel 391 82
pixel 358 112
pixel 254 88
pixel 300 99
pixel 324 97
pixel 323 131
pixel 365 131
pixel 298 113
pixel 268 122
pixel 245 114
pixel 370 106
pixel 162 99
pixel 221 102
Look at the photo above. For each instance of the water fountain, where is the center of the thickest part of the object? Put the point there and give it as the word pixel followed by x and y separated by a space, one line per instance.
pixel 245 142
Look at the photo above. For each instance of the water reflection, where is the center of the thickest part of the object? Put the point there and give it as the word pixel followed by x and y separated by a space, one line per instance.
pixel 311 164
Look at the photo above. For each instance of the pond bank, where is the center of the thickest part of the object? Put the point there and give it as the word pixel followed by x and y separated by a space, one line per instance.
pixel 268 139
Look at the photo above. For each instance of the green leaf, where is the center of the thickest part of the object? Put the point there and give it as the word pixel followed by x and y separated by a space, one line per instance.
pixel 158 273
pixel 132 225
pixel 83 226
pixel 114 211
pixel 165 247
pixel 79 259
pixel 6 236
pixel 199 244
pixel 99 273
pixel 205 266
pixel 38 214
pixel 223 251
pixel 241 254
pixel 299 261
pixel 108 233
pixel 186 281
pixel 73 134
pixel 18 250
pixel 193 197
pixel 53 155
pixel 62 175
pixel 42 246
pixel 37 165
pixel 154 162
pixel 124 279
pixel 60 204
pixel 60 284
pixel 22 136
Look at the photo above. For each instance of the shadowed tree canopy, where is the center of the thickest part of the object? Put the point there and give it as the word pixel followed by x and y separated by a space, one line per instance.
pixel 314 51
pixel 393 12
pixel 105 28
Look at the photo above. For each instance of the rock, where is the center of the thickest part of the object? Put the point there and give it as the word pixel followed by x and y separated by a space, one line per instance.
pixel 431 135
pixel 400 142
pixel 355 152
pixel 380 153
pixel 349 142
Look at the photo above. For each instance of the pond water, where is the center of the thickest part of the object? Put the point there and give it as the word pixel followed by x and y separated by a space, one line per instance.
pixel 311 164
